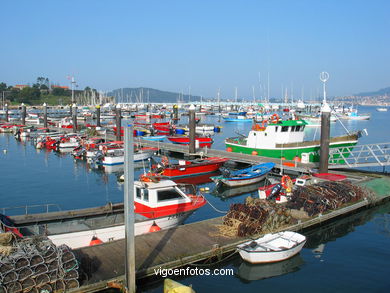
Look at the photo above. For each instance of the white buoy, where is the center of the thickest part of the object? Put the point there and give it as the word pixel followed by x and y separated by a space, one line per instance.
pixel 4 151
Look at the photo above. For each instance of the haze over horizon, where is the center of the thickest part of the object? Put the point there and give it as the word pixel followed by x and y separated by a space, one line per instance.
pixel 199 46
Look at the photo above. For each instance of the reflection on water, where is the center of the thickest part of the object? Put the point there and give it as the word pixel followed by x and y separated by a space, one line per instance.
pixel 250 272
pixel 341 227
pixel 225 192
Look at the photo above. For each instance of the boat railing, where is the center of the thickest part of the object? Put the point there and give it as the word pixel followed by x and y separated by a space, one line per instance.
pixel 30 209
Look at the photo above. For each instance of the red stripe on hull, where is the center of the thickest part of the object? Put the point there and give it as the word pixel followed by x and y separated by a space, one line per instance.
pixel 170 210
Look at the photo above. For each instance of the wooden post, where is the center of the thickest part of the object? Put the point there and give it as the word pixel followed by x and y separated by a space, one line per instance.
pixel 44 115
pixel 192 129
pixel 98 116
pixel 129 210
pixel 74 117
pixel 118 123
pixel 24 114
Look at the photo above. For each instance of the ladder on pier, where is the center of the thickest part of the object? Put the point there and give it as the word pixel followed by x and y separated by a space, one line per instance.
pixel 367 155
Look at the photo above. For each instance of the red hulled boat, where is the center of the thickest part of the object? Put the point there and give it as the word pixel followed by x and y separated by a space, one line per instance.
pixel 188 168
pixel 203 141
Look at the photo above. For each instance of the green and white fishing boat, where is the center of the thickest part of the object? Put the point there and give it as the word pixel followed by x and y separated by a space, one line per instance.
pixel 286 139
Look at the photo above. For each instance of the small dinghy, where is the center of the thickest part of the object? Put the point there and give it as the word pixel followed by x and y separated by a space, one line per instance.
pixel 245 176
pixel 272 247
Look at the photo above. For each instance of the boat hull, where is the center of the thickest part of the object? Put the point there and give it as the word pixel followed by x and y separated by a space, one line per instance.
pixel 80 239
pixel 120 160
pixel 272 247
pixel 236 183
pixel 291 152
pixel 179 171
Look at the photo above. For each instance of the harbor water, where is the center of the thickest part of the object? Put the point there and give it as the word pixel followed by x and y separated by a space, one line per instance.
pixel 349 255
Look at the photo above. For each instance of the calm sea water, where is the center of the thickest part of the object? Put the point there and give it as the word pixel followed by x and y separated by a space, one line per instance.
pixel 350 255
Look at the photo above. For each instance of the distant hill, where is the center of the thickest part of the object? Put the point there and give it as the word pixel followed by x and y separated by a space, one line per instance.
pixel 149 95
pixel 381 92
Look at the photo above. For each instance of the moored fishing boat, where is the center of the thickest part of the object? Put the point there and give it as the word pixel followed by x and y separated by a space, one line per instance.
pixel 381 109
pixel 286 139
pixel 272 247
pixel 238 119
pixel 117 156
pixel 245 176
pixel 203 141
pixel 154 137
pixel 158 205
pixel 188 168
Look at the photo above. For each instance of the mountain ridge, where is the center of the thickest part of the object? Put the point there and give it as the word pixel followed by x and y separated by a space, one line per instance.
pixel 150 95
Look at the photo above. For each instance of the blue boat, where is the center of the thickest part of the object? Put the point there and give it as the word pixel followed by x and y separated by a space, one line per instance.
pixel 238 119
pixel 242 177
pixel 154 138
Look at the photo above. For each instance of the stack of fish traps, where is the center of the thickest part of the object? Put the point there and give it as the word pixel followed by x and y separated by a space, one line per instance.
pixel 254 217
pixel 325 196
pixel 259 216
pixel 36 265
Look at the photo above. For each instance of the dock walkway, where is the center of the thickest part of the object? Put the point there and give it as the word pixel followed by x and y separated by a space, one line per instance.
pixel 191 243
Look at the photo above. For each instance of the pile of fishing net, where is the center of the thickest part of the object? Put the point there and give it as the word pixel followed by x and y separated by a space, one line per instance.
pixel 254 217
pixel 325 196
pixel 36 265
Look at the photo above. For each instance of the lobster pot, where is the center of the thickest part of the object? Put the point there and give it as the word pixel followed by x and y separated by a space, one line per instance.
pixel 37 265
pixel 14 287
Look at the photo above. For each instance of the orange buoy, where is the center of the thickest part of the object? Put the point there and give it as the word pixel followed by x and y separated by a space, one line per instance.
pixel 282 158
pixel 297 159
pixel 254 153
pixel 154 228
pixel 229 149
pixel 95 241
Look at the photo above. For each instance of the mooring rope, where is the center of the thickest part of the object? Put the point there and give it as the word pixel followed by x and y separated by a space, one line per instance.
pixel 217 210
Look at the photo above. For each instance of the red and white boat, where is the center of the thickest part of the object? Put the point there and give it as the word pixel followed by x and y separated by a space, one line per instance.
pixel 188 168
pixel 158 205
pixel 203 141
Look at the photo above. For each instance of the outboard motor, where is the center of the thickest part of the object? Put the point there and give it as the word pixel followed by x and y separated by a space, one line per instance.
pixel 225 172
pixel 275 191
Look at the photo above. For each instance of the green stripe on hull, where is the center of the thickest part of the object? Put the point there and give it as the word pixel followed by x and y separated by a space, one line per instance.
pixel 291 153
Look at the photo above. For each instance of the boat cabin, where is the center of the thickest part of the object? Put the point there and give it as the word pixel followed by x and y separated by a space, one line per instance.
pixel 160 198
pixel 283 132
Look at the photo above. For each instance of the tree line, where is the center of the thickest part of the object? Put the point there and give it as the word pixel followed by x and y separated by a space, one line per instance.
pixel 40 90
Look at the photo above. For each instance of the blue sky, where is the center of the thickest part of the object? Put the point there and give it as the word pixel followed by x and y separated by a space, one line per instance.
pixel 199 45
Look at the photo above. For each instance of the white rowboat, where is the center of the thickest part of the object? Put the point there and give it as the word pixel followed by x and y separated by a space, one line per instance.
pixel 272 247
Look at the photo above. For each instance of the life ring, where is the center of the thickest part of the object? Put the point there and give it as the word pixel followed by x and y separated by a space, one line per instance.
pixel 275 118
pixel 257 127
pixel 286 182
